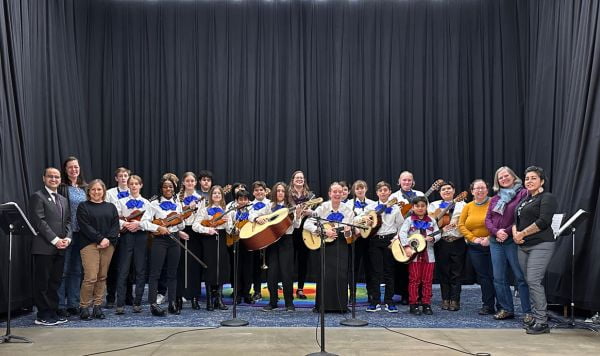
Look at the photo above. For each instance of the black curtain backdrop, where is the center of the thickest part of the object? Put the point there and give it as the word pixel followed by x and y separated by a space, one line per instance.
pixel 340 89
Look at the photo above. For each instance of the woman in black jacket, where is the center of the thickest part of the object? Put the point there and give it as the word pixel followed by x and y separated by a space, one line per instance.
pixel 533 233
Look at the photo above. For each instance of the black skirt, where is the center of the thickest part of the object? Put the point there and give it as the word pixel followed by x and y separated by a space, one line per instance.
pixel 218 262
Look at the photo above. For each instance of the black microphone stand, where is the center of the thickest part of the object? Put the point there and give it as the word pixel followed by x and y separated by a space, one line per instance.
pixel 353 321
pixel 235 321
pixel 321 288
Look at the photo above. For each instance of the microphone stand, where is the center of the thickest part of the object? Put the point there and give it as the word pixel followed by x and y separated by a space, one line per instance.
pixel 319 222
pixel 234 321
pixel 353 321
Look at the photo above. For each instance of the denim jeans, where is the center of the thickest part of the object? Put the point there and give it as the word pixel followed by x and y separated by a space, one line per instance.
pixel 70 286
pixel 482 264
pixel 504 256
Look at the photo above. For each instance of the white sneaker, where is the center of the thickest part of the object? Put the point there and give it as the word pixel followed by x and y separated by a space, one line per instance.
pixel 160 299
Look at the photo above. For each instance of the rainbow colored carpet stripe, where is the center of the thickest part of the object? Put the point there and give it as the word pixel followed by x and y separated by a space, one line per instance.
pixel 309 290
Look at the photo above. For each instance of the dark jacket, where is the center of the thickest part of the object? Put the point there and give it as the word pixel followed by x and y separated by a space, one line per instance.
pixel 49 223
pixel 539 210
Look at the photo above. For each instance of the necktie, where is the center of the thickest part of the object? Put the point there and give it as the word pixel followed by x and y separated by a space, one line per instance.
pixel 57 203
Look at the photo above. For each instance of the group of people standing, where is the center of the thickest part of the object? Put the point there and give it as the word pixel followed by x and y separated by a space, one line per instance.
pixel 90 235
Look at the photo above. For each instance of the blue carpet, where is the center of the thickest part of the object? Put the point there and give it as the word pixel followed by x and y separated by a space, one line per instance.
pixel 467 317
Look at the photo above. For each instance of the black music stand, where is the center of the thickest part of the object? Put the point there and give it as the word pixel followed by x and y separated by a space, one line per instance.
pixel 569 228
pixel 13 221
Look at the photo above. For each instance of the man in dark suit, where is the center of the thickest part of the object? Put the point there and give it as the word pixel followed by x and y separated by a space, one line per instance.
pixel 52 219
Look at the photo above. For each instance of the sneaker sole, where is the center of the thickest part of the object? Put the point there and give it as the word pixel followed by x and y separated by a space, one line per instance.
pixel 37 322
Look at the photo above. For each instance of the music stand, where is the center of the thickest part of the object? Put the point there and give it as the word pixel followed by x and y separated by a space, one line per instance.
pixel 235 321
pixel 570 226
pixel 13 221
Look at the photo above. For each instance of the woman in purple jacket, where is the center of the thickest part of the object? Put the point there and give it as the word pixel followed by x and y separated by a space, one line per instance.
pixel 500 217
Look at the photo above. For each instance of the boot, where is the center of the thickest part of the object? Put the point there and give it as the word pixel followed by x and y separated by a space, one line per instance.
pixel 98 313
pixel 157 310
pixel 210 306
pixel 84 314
pixel 219 301
pixel 173 308
pixel 195 303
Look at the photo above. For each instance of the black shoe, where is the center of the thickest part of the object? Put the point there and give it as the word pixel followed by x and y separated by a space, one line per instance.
pixel 136 309
pixel 290 308
pixel 98 313
pixel 219 303
pixel 46 322
pixel 485 310
pixel 195 303
pixel 257 297
pixel 73 311
pixel 120 311
pixel 269 307
pixel 84 314
pixel 538 328
pixel 157 310
pixel 414 309
pixel 300 294
pixel 63 313
pixel 173 309
pixel 427 309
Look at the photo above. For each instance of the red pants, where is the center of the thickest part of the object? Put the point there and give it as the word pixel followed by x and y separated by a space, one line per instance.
pixel 420 274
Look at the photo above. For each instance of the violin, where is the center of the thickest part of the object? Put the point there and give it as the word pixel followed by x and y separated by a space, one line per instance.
pixel 135 215
pixel 174 218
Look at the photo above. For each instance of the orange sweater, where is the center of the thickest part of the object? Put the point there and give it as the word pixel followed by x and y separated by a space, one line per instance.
pixel 472 221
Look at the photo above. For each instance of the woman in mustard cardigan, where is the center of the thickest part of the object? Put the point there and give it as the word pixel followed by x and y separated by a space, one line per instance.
pixel 472 226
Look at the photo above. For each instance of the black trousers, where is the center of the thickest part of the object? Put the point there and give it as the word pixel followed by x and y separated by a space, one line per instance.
pixel 112 277
pixel 361 259
pixel 301 253
pixel 257 270
pixel 189 272
pixel 132 248
pixel 163 248
pixel 382 268
pixel 245 271
pixel 281 264
pixel 450 263
pixel 48 270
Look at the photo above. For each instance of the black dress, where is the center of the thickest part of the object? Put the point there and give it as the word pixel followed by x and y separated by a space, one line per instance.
pixel 218 263
pixel 336 276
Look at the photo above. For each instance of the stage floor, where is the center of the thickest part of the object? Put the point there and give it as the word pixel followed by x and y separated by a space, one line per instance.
pixel 299 341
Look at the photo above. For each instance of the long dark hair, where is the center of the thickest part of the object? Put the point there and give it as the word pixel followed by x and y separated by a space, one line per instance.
pixel 65 177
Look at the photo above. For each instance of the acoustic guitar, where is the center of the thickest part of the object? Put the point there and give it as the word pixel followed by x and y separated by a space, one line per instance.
pixel 406 208
pixel 312 240
pixel 416 244
pixel 439 215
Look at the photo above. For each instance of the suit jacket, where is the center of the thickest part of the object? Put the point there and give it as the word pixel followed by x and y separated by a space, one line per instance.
pixel 48 222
